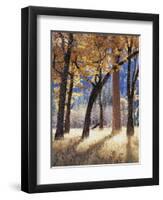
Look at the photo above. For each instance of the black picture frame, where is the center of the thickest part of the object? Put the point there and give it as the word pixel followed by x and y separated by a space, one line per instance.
pixel 29 99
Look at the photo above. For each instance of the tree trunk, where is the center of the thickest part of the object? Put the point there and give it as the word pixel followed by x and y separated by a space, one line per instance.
pixel 87 120
pixel 130 125
pixel 130 121
pixel 68 111
pixel 116 113
pixel 101 121
pixel 92 98
pixel 62 96
pixel 131 88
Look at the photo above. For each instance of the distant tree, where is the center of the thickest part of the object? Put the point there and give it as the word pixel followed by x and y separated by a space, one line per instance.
pixel 124 111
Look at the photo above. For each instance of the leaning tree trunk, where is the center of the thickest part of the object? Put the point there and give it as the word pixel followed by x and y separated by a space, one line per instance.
pixel 92 98
pixel 87 121
pixel 68 111
pixel 101 121
pixel 62 96
pixel 116 113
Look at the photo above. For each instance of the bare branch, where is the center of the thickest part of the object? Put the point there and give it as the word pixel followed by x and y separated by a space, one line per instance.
pixel 101 57
pixel 134 81
pixel 129 57
pixel 135 68
pixel 59 72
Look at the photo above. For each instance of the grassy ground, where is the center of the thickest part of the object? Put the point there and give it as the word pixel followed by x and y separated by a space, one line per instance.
pixel 100 148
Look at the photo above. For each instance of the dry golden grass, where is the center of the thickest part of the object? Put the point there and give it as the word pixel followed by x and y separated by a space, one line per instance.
pixel 99 148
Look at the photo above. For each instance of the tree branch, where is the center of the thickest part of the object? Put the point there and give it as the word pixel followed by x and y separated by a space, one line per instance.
pixel 134 82
pixel 78 67
pixel 136 76
pixel 117 66
pixel 60 72
pixel 135 68
pixel 128 57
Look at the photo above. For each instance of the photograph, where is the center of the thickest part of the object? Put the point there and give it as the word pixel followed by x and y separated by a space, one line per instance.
pixel 94 98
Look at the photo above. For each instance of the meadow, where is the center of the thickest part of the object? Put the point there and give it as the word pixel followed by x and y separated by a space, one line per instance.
pixel 100 148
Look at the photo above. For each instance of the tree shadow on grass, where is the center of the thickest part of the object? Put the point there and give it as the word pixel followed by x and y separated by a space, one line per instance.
pixel 90 155
pixel 71 154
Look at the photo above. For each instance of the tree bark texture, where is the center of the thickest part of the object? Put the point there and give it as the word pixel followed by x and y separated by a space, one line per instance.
pixel 116 113
pixel 68 111
pixel 130 95
pixel 63 85
pixel 101 121
pixel 87 121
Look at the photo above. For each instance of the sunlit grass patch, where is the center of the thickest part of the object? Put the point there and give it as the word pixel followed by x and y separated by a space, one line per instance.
pixel 95 137
pixel 99 148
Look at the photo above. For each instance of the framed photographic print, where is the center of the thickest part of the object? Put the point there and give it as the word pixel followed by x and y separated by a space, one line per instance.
pixel 90 99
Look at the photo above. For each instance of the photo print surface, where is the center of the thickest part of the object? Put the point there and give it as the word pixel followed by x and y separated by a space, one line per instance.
pixel 94 98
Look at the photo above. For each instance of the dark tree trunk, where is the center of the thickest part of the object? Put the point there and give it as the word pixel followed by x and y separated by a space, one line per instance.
pixel 130 125
pixel 116 113
pixel 130 95
pixel 101 121
pixel 62 96
pixel 129 75
pixel 87 120
pixel 68 111
pixel 92 98
pixel 130 121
